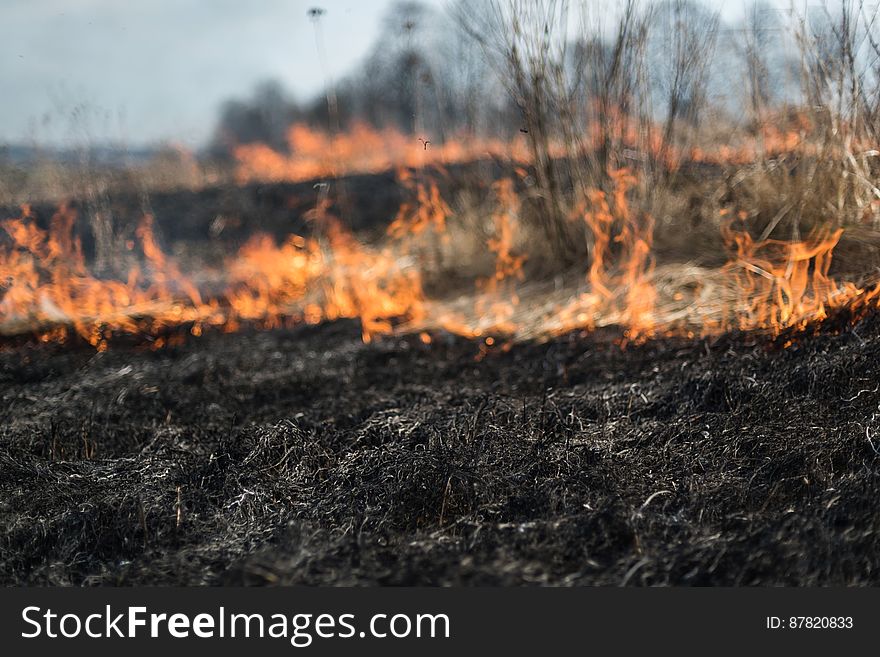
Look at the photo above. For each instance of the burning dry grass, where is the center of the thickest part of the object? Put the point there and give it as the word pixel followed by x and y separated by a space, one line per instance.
pixel 717 448
pixel 49 287
pixel 816 186
pixel 766 285
pixel 316 154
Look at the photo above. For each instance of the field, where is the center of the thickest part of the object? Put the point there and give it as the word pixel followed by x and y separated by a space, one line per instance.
pixel 303 455
pixel 515 302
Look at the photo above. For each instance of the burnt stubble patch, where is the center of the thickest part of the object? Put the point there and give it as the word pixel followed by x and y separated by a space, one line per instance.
pixel 302 456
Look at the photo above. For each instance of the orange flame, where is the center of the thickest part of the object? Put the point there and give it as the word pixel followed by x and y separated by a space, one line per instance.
pixel 313 153
pixel 770 285
pixel 46 283
pixel 316 154
pixel 782 284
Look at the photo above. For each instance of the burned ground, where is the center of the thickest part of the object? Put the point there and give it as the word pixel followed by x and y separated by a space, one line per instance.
pixel 302 456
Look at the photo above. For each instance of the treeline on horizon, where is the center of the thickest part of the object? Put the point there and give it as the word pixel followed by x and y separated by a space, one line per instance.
pixel 449 71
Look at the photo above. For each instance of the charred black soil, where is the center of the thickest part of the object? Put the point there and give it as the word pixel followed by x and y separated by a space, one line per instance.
pixel 302 456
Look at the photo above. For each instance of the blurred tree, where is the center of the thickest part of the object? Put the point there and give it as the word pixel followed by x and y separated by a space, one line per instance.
pixel 264 117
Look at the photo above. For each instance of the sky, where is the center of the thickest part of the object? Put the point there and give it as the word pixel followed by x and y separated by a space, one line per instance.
pixel 144 71
pixel 139 72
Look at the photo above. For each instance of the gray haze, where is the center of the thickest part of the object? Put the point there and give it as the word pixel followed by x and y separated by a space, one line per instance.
pixel 144 71
pixel 139 72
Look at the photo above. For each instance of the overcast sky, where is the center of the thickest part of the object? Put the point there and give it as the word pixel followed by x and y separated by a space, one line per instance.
pixel 150 70
pixel 143 71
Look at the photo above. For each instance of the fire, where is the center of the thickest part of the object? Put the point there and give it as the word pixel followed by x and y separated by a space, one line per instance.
pixel 267 278
pixel 782 284
pixel 301 277
pixel 427 211
pixel 774 284
pixel 497 304
pixel 372 286
pixel 312 154
pixel 46 283
pixel 614 222
pixel 363 149
pixel 47 286
pixel 768 285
